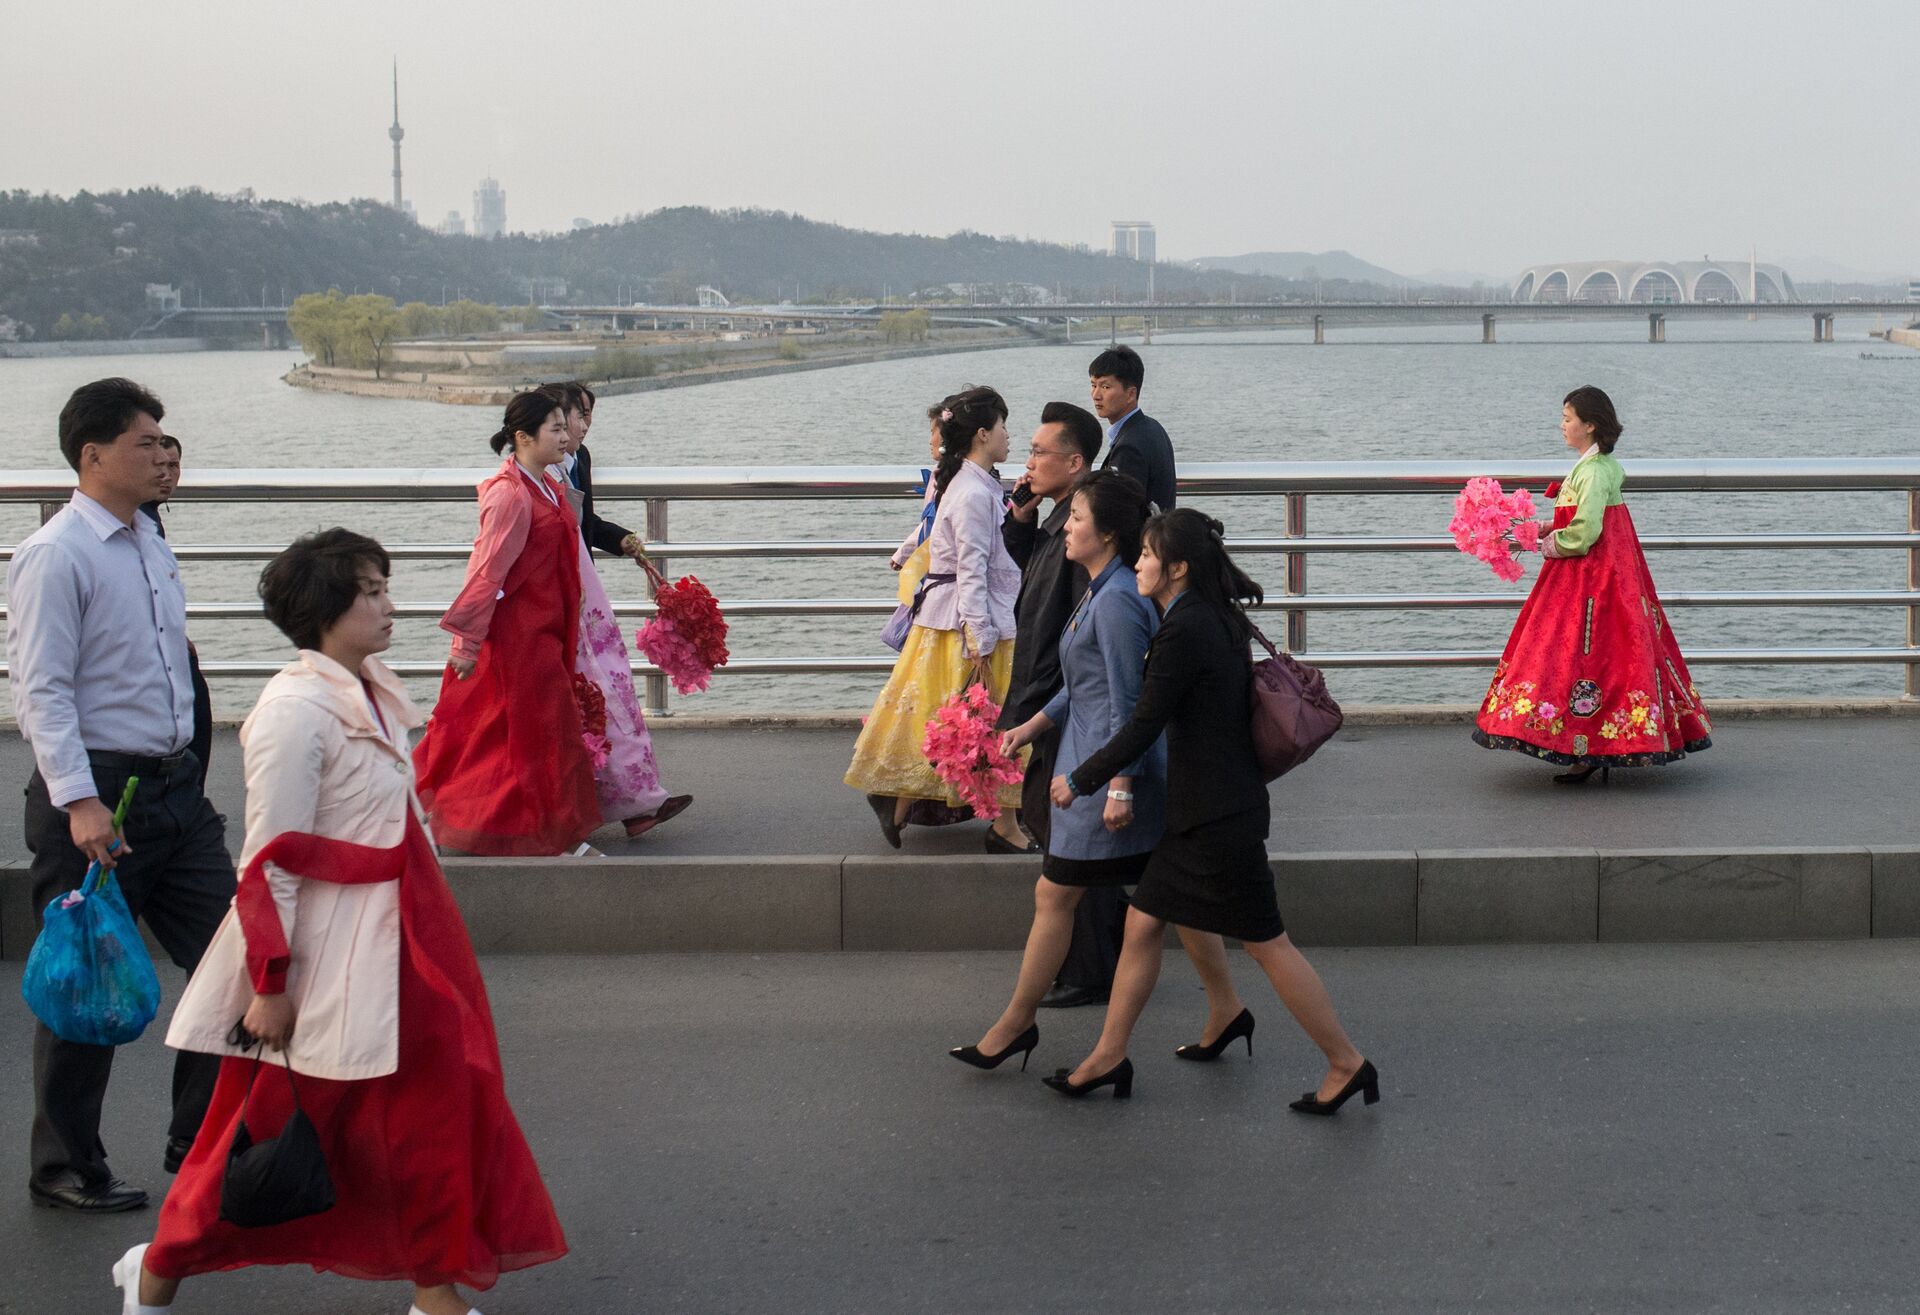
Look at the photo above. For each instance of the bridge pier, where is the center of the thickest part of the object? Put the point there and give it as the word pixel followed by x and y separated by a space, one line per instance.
pixel 1656 327
pixel 1486 328
pixel 1822 327
pixel 1319 331
pixel 1113 329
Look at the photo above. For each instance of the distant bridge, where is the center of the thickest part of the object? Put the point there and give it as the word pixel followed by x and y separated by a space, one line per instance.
pixel 1316 314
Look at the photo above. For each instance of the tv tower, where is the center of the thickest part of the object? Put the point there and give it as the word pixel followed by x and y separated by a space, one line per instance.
pixel 396 132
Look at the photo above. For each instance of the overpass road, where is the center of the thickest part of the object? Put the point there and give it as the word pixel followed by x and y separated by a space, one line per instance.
pixel 1679 1128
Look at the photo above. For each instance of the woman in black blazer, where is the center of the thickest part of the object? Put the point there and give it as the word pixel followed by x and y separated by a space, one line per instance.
pixel 1209 872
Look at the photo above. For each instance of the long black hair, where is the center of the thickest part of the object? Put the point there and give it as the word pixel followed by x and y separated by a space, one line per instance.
pixel 961 417
pixel 525 414
pixel 1185 535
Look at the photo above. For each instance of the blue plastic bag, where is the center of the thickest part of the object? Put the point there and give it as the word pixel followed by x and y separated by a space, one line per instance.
pixel 89 977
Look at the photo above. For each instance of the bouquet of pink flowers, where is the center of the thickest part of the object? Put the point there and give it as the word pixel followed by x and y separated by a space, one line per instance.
pixel 1490 523
pixel 963 749
pixel 687 637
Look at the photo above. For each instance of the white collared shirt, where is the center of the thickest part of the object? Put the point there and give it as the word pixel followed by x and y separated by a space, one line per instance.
pixel 96 645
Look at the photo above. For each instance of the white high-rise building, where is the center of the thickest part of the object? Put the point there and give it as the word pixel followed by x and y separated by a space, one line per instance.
pixel 489 209
pixel 453 225
pixel 1133 239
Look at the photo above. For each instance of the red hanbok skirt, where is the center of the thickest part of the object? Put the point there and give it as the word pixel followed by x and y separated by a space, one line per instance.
pixel 433 1179
pixel 1592 674
pixel 502 769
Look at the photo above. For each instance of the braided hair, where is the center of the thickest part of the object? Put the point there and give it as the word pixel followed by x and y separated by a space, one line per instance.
pixel 960 418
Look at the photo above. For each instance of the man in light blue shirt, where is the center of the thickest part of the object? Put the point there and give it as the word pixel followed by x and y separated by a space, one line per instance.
pixel 103 691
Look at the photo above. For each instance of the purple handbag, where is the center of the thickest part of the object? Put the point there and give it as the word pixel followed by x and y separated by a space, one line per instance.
pixel 1292 712
pixel 894 633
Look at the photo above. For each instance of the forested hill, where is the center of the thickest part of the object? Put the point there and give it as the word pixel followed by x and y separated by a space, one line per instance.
pixel 93 254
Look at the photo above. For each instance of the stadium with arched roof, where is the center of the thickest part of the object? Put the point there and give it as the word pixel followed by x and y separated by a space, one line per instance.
pixel 1660 281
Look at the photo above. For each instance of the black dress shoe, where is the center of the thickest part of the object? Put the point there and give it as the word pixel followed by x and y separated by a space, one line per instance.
pixel 882 806
pixel 996 845
pixel 110 1197
pixel 177 1148
pixel 1063 996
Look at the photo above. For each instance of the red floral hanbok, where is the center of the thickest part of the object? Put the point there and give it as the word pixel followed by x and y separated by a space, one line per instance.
pixel 1592 675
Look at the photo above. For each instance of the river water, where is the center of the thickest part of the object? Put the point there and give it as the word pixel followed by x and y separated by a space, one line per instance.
pixel 1714 389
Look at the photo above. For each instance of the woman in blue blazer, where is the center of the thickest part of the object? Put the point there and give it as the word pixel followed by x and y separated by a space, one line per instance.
pixel 1105 837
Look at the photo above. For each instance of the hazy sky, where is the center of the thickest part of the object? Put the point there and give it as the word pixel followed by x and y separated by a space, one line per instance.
pixel 1422 136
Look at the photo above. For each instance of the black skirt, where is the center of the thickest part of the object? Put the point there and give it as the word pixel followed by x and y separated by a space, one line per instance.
pixel 1122 871
pixel 1215 878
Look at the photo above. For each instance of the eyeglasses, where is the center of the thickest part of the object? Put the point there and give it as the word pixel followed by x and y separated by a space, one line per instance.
pixel 1047 452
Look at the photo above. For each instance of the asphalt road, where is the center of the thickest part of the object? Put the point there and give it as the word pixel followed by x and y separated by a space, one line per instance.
pixel 1606 1128
pixel 1841 781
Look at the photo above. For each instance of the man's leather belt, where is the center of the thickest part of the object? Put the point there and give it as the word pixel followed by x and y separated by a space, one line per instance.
pixel 134 765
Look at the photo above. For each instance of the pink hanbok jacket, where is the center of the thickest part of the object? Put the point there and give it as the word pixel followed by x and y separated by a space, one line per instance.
pixel 319 761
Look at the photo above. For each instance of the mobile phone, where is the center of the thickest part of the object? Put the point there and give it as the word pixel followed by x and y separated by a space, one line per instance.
pixel 1021 495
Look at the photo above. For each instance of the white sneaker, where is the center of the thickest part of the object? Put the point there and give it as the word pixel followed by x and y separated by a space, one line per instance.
pixel 415 1310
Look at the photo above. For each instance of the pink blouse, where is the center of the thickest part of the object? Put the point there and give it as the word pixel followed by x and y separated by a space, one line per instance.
pixel 506 512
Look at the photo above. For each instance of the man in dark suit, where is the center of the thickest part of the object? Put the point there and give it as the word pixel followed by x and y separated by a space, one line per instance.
pixel 597 530
pixel 201 745
pixel 1064 448
pixel 1140 446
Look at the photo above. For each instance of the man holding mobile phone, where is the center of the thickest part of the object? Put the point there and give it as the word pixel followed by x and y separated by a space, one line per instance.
pixel 1064 448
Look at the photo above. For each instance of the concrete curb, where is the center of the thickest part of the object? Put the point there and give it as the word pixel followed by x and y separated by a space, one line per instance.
pixel 816 902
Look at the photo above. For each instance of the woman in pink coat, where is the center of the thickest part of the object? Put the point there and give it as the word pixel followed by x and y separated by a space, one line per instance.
pixel 345 952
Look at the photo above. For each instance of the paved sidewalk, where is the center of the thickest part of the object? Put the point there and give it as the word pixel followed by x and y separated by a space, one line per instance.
pixel 1840 781
pixel 1593 1128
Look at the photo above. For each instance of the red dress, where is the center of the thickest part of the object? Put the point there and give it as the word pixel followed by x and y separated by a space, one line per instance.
pixel 433 1180
pixel 1592 674
pixel 502 768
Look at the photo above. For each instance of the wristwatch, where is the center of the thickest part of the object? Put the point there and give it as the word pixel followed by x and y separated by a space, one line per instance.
pixel 1124 796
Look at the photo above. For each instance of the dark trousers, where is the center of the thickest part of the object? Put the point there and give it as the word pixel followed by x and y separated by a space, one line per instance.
pixel 201 745
pixel 180 879
pixel 1101 916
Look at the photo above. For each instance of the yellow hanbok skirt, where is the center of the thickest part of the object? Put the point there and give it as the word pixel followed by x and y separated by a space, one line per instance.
pixel 931 669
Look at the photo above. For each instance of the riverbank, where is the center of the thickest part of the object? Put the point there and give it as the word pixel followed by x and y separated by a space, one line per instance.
pixel 776 357
pixel 114 347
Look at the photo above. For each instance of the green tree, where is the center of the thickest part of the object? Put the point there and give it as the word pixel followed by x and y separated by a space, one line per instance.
pixel 372 324
pixel 318 320
pixel 465 317
pixel 419 320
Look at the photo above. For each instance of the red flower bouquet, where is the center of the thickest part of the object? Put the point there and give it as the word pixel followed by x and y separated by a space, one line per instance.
pixel 963 749
pixel 687 637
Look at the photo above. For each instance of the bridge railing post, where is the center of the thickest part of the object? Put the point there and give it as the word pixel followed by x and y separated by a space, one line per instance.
pixel 656 533
pixel 1912 684
pixel 1295 527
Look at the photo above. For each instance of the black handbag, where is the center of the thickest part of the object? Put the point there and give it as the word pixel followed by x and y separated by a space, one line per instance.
pixel 278 1180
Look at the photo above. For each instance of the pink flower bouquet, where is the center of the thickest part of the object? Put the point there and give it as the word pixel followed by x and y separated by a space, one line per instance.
pixel 1490 523
pixel 963 749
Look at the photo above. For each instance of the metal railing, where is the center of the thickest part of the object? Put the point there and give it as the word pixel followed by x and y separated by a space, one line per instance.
pixel 1292 482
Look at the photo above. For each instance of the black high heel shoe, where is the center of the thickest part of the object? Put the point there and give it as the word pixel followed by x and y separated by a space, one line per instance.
pixel 882 807
pixel 1119 1077
pixel 1241 1026
pixel 1024 1043
pixel 1580 778
pixel 1366 1081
